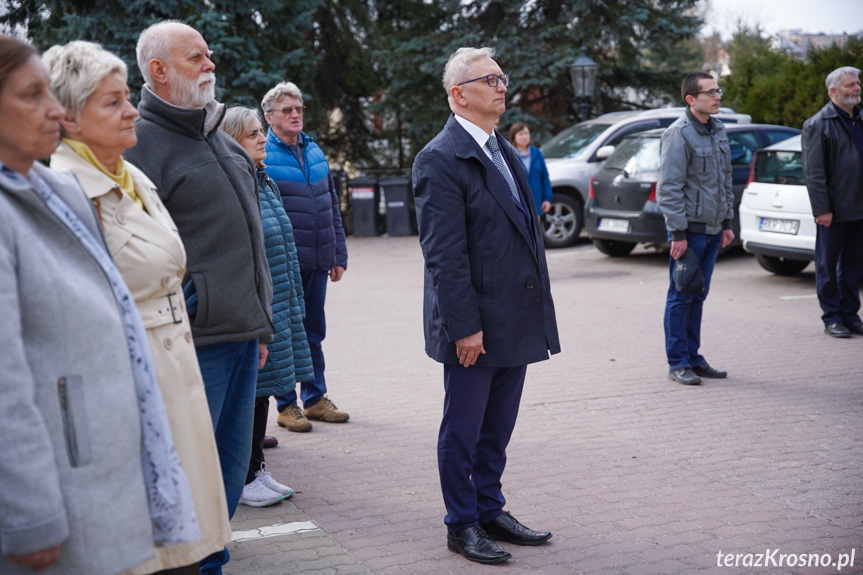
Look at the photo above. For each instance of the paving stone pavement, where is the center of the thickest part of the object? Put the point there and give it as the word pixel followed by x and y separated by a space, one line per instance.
pixel 633 473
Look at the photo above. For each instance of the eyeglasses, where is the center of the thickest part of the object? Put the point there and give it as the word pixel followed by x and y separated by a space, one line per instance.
pixel 710 93
pixel 492 79
pixel 288 109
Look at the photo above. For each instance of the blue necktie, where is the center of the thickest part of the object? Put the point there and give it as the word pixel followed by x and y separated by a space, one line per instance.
pixel 497 158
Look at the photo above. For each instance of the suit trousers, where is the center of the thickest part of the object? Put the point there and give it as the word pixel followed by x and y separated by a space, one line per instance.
pixel 839 270
pixel 480 410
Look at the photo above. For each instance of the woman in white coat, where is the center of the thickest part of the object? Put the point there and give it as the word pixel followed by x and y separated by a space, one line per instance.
pixel 99 125
pixel 89 480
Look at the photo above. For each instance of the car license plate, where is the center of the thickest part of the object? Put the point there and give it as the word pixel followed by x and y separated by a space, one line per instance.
pixel 613 225
pixel 779 226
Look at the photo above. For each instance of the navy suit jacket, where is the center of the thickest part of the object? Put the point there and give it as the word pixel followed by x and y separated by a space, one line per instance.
pixel 484 269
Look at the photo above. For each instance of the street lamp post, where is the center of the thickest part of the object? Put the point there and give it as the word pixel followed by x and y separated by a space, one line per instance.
pixel 583 72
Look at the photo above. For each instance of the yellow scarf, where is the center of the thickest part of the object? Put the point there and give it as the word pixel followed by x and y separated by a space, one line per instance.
pixel 123 177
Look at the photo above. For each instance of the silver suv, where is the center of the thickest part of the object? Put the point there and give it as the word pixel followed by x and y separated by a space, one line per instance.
pixel 574 155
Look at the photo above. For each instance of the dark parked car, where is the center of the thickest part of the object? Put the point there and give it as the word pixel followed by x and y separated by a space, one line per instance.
pixel 621 208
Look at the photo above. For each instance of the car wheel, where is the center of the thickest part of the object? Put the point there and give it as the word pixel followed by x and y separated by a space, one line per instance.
pixel 781 266
pixel 563 222
pixel 614 248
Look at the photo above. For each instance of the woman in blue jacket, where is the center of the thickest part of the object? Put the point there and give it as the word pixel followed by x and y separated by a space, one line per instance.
pixel 289 358
pixel 534 163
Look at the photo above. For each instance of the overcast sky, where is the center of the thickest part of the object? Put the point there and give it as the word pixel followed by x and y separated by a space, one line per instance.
pixel 828 16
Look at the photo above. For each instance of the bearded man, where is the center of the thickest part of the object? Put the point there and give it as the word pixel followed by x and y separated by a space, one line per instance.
pixel 207 182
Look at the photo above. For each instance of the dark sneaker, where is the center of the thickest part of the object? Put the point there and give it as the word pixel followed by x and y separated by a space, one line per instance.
pixel 704 370
pixel 684 375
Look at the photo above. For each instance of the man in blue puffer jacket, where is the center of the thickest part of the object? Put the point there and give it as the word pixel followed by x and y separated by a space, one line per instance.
pixel 301 172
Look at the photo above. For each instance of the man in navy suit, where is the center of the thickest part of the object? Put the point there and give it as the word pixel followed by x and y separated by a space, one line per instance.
pixel 487 303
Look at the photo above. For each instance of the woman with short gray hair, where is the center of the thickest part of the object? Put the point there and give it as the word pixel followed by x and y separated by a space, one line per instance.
pixel 98 126
pixel 289 359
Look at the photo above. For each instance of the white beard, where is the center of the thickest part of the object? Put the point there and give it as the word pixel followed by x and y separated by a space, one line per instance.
pixel 187 93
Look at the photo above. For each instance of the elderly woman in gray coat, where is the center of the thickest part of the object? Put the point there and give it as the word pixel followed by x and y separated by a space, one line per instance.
pixel 91 484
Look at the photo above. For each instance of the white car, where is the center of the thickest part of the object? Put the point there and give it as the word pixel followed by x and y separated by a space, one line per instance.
pixel 776 222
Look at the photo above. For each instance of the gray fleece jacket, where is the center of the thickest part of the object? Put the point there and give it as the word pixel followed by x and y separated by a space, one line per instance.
pixel 208 183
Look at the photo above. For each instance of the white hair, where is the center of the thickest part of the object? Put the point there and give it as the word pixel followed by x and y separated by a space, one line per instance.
pixel 154 42
pixel 833 77
pixel 77 69
pixel 278 92
pixel 458 66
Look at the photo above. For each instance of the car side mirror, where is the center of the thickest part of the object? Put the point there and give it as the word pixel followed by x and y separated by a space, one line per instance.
pixel 604 152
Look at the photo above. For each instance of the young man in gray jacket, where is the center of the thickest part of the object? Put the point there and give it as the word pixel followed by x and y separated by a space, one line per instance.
pixel 208 183
pixel 695 196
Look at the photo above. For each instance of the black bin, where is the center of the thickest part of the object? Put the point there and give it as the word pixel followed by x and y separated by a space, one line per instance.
pixel 365 196
pixel 400 211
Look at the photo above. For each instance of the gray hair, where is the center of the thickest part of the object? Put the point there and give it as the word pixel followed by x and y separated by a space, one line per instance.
pixel 278 92
pixel 458 66
pixel 77 69
pixel 238 120
pixel 154 42
pixel 833 77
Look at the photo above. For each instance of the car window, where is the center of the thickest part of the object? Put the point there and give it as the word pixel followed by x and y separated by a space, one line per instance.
pixel 743 144
pixel 776 136
pixel 635 155
pixel 573 140
pixel 631 129
pixel 779 167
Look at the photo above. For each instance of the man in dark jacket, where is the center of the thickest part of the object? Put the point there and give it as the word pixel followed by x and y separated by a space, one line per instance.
pixel 207 182
pixel 487 306
pixel 301 172
pixel 833 170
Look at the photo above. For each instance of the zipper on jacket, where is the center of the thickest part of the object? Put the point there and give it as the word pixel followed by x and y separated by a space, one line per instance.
pixel 68 423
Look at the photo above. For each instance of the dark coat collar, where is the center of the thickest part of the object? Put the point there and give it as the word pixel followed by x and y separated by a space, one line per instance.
pixel 699 125
pixel 189 121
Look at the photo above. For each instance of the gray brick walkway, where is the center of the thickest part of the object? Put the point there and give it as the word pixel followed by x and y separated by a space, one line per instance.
pixel 634 474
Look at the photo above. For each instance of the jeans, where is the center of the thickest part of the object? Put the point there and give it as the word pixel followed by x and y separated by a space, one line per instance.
pixel 315 288
pixel 230 373
pixel 683 312
pixel 839 270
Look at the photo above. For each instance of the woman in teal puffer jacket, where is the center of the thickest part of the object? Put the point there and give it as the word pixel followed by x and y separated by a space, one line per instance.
pixel 289 358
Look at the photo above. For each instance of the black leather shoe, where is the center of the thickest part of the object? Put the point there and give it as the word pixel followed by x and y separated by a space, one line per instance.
pixel 684 375
pixel 475 545
pixel 855 327
pixel 837 330
pixel 507 528
pixel 704 370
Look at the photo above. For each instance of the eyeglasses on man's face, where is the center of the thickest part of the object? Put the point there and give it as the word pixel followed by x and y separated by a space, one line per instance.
pixel 492 79
pixel 710 93
pixel 288 110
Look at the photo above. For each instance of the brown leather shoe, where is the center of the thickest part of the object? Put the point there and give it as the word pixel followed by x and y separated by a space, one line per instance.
pixel 326 410
pixel 269 442
pixel 293 419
